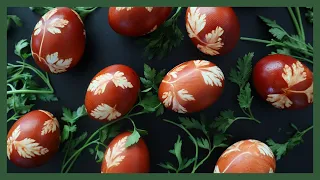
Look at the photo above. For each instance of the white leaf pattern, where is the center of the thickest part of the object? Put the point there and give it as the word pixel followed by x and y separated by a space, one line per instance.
pixel 57 65
pixel 309 93
pixel 129 8
pixel 104 111
pixel 294 74
pixel 26 148
pixel 99 84
pixel 279 100
pixel 213 42
pixel 175 71
pixel 196 22
pixel 271 170
pixel 167 96
pixel 211 75
pixel 263 148
pixel 113 157
pixel 216 169
pixel 177 107
pixel 184 95
pixel 38 28
pixel 55 24
pixel 233 148
pixel 50 125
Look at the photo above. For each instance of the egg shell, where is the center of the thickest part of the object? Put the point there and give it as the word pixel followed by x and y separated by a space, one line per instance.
pixel 112 93
pixel 58 40
pixel 246 156
pixel 119 159
pixel 284 82
pixel 213 30
pixel 191 86
pixel 137 21
pixel 33 139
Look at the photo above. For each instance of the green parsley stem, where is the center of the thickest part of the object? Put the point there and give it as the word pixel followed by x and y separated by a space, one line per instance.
pixel 27 91
pixel 192 139
pixel 303 59
pixel 295 21
pixel 255 40
pixel 87 143
pixel 67 152
pixel 203 160
pixel 14 117
pixel 300 23
pixel 308 129
pixel 76 153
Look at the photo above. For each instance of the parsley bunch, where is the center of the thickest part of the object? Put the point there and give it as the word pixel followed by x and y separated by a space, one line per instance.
pixel 209 142
pixel 281 150
pixel 240 76
pixel 23 86
pixel 82 11
pixel 292 45
pixel 148 103
pixel 166 37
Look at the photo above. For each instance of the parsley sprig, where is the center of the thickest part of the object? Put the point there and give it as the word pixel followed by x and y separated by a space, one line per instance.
pixel 148 103
pixel 166 37
pixel 281 149
pixel 23 85
pixel 82 11
pixel 239 76
pixel 208 142
pixel 285 43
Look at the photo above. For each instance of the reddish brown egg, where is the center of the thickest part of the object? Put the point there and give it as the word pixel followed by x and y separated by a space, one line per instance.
pixel 191 86
pixel 119 159
pixel 137 21
pixel 214 30
pixel 246 156
pixel 58 40
pixel 112 93
pixel 283 82
pixel 33 139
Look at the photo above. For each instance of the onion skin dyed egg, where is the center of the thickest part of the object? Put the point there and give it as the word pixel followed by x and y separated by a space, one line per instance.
pixel 137 21
pixel 214 30
pixel 119 159
pixel 33 139
pixel 112 93
pixel 284 82
pixel 191 86
pixel 58 40
pixel 246 156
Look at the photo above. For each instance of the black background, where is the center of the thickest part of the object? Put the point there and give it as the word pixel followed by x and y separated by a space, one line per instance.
pixel 105 47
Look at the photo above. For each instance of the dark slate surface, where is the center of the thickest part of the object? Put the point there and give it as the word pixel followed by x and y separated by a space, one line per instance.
pixel 105 47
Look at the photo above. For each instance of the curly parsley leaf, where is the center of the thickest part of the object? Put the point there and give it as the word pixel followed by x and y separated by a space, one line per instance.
pixel 165 38
pixel 281 149
pixel 224 121
pixel 245 98
pixel 152 79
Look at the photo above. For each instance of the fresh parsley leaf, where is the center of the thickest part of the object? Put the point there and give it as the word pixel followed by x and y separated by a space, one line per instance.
pixel 224 121
pixel 167 166
pixel 150 102
pixel 20 46
pixel 276 30
pixel 219 140
pixel 160 110
pixel 41 10
pixel 165 38
pixel 245 98
pixel 191 123
pixel 47 97
pixel 99 156
pixel 203 143
pixel 133 138
pixel 242 74
pixel 72 117
pixel 151 78
pixel 177 150
pixel 281 149
pixel 76 142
